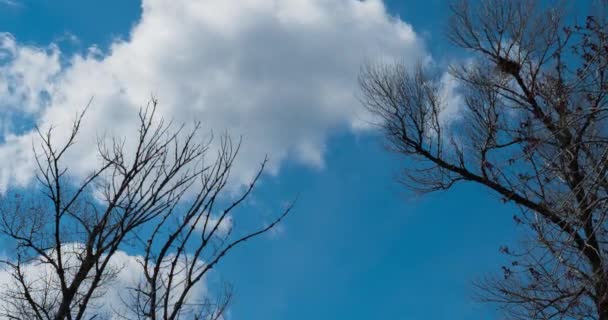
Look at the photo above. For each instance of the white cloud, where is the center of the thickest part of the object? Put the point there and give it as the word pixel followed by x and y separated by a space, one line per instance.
pixel 280 73
pixel 207 224
pixel 11 3
pixel 451 99
pixel 27 75
pixel 112 297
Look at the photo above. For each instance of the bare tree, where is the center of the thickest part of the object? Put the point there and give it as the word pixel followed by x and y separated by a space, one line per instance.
pixel 532 129
pixel 165 197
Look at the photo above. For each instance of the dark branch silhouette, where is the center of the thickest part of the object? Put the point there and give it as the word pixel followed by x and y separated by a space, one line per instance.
pixel 533 130
pixel 166 197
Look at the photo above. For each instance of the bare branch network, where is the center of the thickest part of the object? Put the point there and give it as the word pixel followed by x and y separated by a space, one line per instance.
pixel 533 130
pixel 165 199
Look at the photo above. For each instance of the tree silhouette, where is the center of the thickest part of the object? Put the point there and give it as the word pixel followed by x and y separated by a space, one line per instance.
pixel 533 129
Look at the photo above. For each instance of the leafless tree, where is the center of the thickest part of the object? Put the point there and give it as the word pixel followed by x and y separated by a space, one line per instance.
pixel 533 128
pixel 165 197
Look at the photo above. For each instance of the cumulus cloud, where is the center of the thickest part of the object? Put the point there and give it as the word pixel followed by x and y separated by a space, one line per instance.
pixel 27 74
pixel 114 297
pixel 281 74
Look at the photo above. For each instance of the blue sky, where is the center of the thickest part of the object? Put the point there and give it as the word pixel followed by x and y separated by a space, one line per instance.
pixel 358 245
